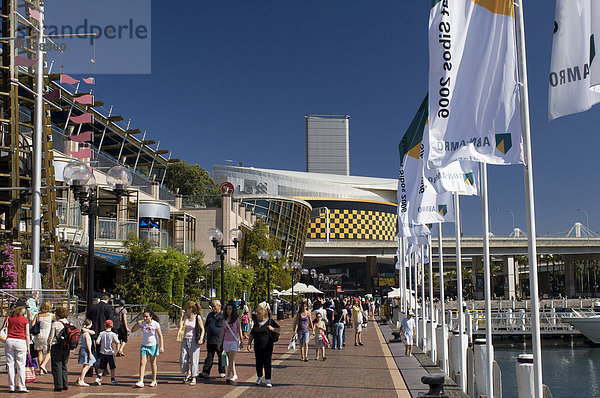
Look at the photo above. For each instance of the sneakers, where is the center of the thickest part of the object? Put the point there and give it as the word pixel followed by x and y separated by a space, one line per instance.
pixel 139 384
pixel 82 384
pixel 113 382
pixel 204 374
pixel 234 378
pixel 221 375
pixel 98 381
pixel 259 381
pixel 269 383
pixel 154 383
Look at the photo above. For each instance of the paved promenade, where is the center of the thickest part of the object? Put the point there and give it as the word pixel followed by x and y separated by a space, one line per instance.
pixel 367 370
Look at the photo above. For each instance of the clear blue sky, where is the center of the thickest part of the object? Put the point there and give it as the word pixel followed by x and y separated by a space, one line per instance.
pixel 233 80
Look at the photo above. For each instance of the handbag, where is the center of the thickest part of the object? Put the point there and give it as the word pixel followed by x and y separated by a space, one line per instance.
pixel 4 331
pixel 324 338
pixel 35 329
pixel 181 332
pixel 30 367
pixel 292 344
pixel 224 359
pixel 274 335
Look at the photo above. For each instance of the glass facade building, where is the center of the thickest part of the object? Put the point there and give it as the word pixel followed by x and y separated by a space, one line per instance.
pixel 287 219
pixel 328 144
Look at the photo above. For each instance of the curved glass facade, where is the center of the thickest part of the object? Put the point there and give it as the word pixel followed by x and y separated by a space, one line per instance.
pixel 287 219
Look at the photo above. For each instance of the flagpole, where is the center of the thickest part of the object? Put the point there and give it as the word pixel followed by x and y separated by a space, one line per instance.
pixel 461 323
pixel 402 274
pixel 442 303
pixel 423 334
pixel 431 329
pixel 416 284
pixel 410 285
pixel 36 177
pixel 531 231
pixel 487 282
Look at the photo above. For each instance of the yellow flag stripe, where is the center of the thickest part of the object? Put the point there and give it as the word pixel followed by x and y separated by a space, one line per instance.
pixel 415 151
pixel 504 7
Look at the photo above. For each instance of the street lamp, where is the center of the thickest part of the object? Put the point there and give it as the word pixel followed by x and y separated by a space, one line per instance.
pixel 293 268
pixel 216 237
pixel 513 218
pixel 79 177
pixel 264 256
pixel 587 219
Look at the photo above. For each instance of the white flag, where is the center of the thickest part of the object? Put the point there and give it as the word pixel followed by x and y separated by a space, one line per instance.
pixel 474 107
pixel 572 54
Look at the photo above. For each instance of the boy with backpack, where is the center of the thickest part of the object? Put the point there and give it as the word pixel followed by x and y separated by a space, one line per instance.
pixel 109 343
pixel 64 337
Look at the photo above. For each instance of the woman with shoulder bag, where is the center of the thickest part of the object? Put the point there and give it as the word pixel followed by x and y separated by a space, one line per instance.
pixel 40 340
pixel 264 331
pixel 16 347
pixel 302 327
pixel 122 328
pixel 231 338
pixel 191 320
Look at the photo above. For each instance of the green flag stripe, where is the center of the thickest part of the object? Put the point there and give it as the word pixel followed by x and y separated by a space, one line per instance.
pixel 414 133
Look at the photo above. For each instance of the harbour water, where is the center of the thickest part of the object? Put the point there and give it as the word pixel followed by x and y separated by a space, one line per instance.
pixel 570 369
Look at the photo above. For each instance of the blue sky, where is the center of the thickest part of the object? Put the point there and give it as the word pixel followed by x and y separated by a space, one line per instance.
pixel 232 80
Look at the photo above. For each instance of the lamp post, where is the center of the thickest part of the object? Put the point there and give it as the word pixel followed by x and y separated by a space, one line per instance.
pixel 293 268
pixel 587 218
pixel 264 256
pixel 80 179
pixel 216 237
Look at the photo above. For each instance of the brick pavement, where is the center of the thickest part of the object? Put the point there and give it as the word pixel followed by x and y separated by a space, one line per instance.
pixel 354 371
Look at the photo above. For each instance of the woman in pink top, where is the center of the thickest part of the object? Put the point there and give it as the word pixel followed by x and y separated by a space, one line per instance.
pixel 231 338
pixel 16 348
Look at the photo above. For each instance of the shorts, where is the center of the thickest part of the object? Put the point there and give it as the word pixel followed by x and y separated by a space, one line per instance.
pixel 106 360
pixel 122 333
pixel 149 350
pixel 245 327
pixel 230 346
pixel 84 358
pixel 303 337
pixel 408 339
pixel 358 327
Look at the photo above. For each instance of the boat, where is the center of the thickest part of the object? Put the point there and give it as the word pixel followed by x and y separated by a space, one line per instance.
pixel 589 326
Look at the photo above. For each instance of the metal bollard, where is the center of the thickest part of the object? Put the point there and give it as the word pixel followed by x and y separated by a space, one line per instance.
pixel 442 348
pixel 525 376
pixel 436 386
pixel 455 355
pixel 480 354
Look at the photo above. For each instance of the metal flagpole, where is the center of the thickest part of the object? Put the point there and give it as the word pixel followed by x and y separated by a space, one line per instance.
pixel 410 284
pixel 423 334
pixel 431 329
pixel 442 303
pixel 531 232
pixel 461 323
pixel 36 178
pixel 402 273
pixel 487 282
pixel 416 286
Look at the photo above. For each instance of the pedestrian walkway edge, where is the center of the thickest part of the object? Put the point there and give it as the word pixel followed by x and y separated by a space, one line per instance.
pixel 397 379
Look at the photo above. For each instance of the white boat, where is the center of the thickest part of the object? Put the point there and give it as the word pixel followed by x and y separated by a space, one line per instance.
pixel 589 326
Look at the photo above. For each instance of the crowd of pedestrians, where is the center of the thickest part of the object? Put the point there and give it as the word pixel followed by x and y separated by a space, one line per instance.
pixel 103 335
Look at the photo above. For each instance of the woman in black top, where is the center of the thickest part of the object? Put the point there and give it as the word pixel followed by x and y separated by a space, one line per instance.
pixel 261 334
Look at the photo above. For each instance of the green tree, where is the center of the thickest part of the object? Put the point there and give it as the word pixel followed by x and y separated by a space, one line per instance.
pixel 194 184
pixel 259 239
pixel 238 279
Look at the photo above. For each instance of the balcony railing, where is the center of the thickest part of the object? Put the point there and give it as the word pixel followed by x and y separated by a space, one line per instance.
pixel 159 238
pixel 113 229
pixel 68 214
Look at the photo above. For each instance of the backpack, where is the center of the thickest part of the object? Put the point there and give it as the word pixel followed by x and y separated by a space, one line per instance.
pixel 68 339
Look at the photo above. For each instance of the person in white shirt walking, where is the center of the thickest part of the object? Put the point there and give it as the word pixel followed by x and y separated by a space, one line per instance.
pixel 109 344
pixel 409 328
pixel 151 346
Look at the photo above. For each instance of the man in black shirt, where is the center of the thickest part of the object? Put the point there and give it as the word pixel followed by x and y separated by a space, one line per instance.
pixel 213 326
pixel 98 314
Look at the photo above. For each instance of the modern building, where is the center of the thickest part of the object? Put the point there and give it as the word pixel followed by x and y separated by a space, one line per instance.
pixel 328 144
pixel 350 212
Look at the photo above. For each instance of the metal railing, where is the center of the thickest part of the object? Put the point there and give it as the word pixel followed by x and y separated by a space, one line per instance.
pixel 8 297
pixel 159 238
pixel 113 229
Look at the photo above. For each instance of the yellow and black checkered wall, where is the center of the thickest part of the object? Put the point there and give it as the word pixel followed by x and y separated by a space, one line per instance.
pixel 354 224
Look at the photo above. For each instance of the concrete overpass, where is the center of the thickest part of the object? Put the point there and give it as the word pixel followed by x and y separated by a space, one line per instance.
pixel 320 253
